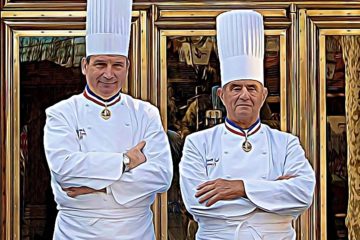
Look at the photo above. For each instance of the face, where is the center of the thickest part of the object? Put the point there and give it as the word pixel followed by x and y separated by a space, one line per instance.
pixel 243 100
pixel 105 74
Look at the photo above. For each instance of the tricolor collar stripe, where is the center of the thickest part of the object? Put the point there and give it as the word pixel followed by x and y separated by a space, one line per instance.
pixel 98 100
pixel 92 94
pixel 232 127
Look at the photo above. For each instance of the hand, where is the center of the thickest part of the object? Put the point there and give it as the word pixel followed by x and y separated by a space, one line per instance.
pixel 136 155
pixel 76 191
pixel 285 177
pixel 220 189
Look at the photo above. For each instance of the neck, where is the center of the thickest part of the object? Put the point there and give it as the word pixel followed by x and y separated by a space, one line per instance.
pixel 101 97
pixel 244 124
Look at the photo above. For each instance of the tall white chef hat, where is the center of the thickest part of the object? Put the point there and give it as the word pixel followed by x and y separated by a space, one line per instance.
pixel 108 25
pixel 240 40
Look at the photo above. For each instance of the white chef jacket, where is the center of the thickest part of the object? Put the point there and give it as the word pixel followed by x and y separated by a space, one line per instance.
pixel 82 149
pixel 217 153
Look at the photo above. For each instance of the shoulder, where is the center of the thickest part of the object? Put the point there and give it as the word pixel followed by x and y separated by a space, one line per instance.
pixel 64 106
pixel 280 137
pixel 206 135
pixel 140 106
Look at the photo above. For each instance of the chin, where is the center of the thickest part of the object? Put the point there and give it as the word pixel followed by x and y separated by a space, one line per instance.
pixel 110 90
pixel 107 93
pixel 243 111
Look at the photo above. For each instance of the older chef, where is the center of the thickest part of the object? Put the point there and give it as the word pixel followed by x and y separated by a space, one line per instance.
pixel 107 152
pixel 242 179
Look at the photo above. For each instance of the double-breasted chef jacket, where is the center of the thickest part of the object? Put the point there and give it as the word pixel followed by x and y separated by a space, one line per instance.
pixel 270 205
pixel 83 149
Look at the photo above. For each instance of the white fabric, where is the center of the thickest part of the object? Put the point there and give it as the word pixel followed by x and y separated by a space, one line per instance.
pixel 108 25
pixel 94 159
pixel 257 225
pixel 115 229
pixel 217 153
pixel 240 41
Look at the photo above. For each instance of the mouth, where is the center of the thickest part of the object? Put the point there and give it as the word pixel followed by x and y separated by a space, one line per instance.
pixel 107 82
pixel 243 105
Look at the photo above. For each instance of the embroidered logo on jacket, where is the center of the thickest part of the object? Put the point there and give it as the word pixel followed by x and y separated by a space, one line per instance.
pixel 212 161
pixel 81 133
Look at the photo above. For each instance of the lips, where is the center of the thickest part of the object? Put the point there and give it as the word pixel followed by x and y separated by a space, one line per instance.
pixel 107 82
pixel 243 105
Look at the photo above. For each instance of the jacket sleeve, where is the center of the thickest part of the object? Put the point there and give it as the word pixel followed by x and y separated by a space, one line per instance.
pixel 193 173
pixel 153 176
pixel 71 167
pixel 287 197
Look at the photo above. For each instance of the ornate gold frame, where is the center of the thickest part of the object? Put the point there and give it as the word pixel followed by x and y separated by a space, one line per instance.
pixel 322 78
pixel 315 25
pixel 304 23
pixel 163 88
pixel 13 33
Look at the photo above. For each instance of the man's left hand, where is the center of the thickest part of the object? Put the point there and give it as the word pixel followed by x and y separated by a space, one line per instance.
pixel 76 191
pixel 220 189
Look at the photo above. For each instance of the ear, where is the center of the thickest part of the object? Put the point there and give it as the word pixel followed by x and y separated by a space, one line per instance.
pixel 265 93
pixel 83 65
pixel 220 93
pixel 128 63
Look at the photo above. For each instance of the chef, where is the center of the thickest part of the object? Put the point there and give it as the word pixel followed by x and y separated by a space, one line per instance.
pixel 241 179
pixel 107 152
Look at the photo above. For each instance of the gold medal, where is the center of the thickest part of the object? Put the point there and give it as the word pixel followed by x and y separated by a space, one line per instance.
pixel 246 146
pixel 106 113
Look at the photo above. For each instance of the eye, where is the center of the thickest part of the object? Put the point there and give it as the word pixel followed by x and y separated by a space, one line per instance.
pixel 118 65
pixel 251 89
pixel 100 65
pixel 236 88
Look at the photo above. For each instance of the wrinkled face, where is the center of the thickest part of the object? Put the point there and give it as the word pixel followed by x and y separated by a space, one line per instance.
pixel 105 74
pixel 243 99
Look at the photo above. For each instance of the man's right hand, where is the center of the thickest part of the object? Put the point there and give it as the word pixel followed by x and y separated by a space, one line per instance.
pixel 285 177
pixel 136 155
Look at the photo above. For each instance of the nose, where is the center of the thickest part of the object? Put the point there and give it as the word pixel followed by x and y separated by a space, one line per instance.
pixel 244 94
pixel 108 73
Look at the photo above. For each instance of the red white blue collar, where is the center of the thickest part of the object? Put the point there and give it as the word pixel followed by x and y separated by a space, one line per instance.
pixel 232 127
pixel 100 101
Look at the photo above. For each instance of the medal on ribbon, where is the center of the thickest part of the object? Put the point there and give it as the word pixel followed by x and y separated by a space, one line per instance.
pixel 105 113
pixel 232 127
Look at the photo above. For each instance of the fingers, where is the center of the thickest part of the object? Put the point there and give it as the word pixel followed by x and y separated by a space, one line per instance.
pixel 213 200
pixel 204 190
pixel 212 196
pixel 285 177
pixel 76 191
pixel 208 190
pixel 140 145
pixel 206 184
pixel 136 155
pixel 220 189
pixel 208 196
pixel 71 192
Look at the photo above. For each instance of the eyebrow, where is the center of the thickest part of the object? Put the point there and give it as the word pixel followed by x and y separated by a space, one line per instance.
pixel 119 62
pixel 251 85
pixel 105 61
pixel 242 85
pixel 99 61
